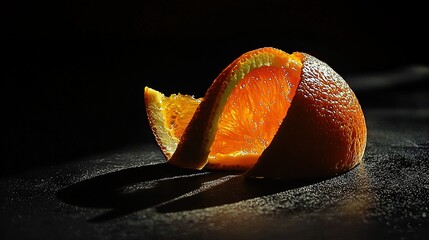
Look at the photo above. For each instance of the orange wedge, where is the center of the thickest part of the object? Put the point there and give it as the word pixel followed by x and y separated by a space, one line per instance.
pixel 244 122
pixel 168 117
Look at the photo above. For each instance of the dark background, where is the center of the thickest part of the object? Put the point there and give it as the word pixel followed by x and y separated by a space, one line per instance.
pixel 73 72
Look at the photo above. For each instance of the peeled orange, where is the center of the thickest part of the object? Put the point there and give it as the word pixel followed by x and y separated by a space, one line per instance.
pixel 274 114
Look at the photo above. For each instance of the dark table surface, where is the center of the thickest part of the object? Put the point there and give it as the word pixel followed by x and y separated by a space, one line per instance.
pixel 133 194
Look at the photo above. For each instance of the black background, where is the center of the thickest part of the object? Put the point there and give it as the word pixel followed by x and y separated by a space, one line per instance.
pixel 73 72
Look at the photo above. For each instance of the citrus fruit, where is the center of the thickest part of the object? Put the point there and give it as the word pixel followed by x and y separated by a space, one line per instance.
pixel 271 113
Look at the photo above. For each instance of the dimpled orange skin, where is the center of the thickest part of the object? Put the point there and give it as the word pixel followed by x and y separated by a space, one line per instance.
pixel 324 132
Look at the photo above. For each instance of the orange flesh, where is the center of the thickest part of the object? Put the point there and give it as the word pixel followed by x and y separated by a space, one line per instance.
pixel 183 109
pixel 252 115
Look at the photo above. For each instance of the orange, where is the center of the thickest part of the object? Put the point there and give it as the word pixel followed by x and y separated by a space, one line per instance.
pixel 236 124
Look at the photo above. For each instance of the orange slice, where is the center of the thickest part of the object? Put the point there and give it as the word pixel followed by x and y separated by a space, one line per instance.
pixel 168 117
pixel 236 124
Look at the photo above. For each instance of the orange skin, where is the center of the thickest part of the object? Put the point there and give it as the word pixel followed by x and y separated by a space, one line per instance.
pixel 324 132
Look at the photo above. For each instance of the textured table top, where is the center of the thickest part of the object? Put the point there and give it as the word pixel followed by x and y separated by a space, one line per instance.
pixel 134 194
